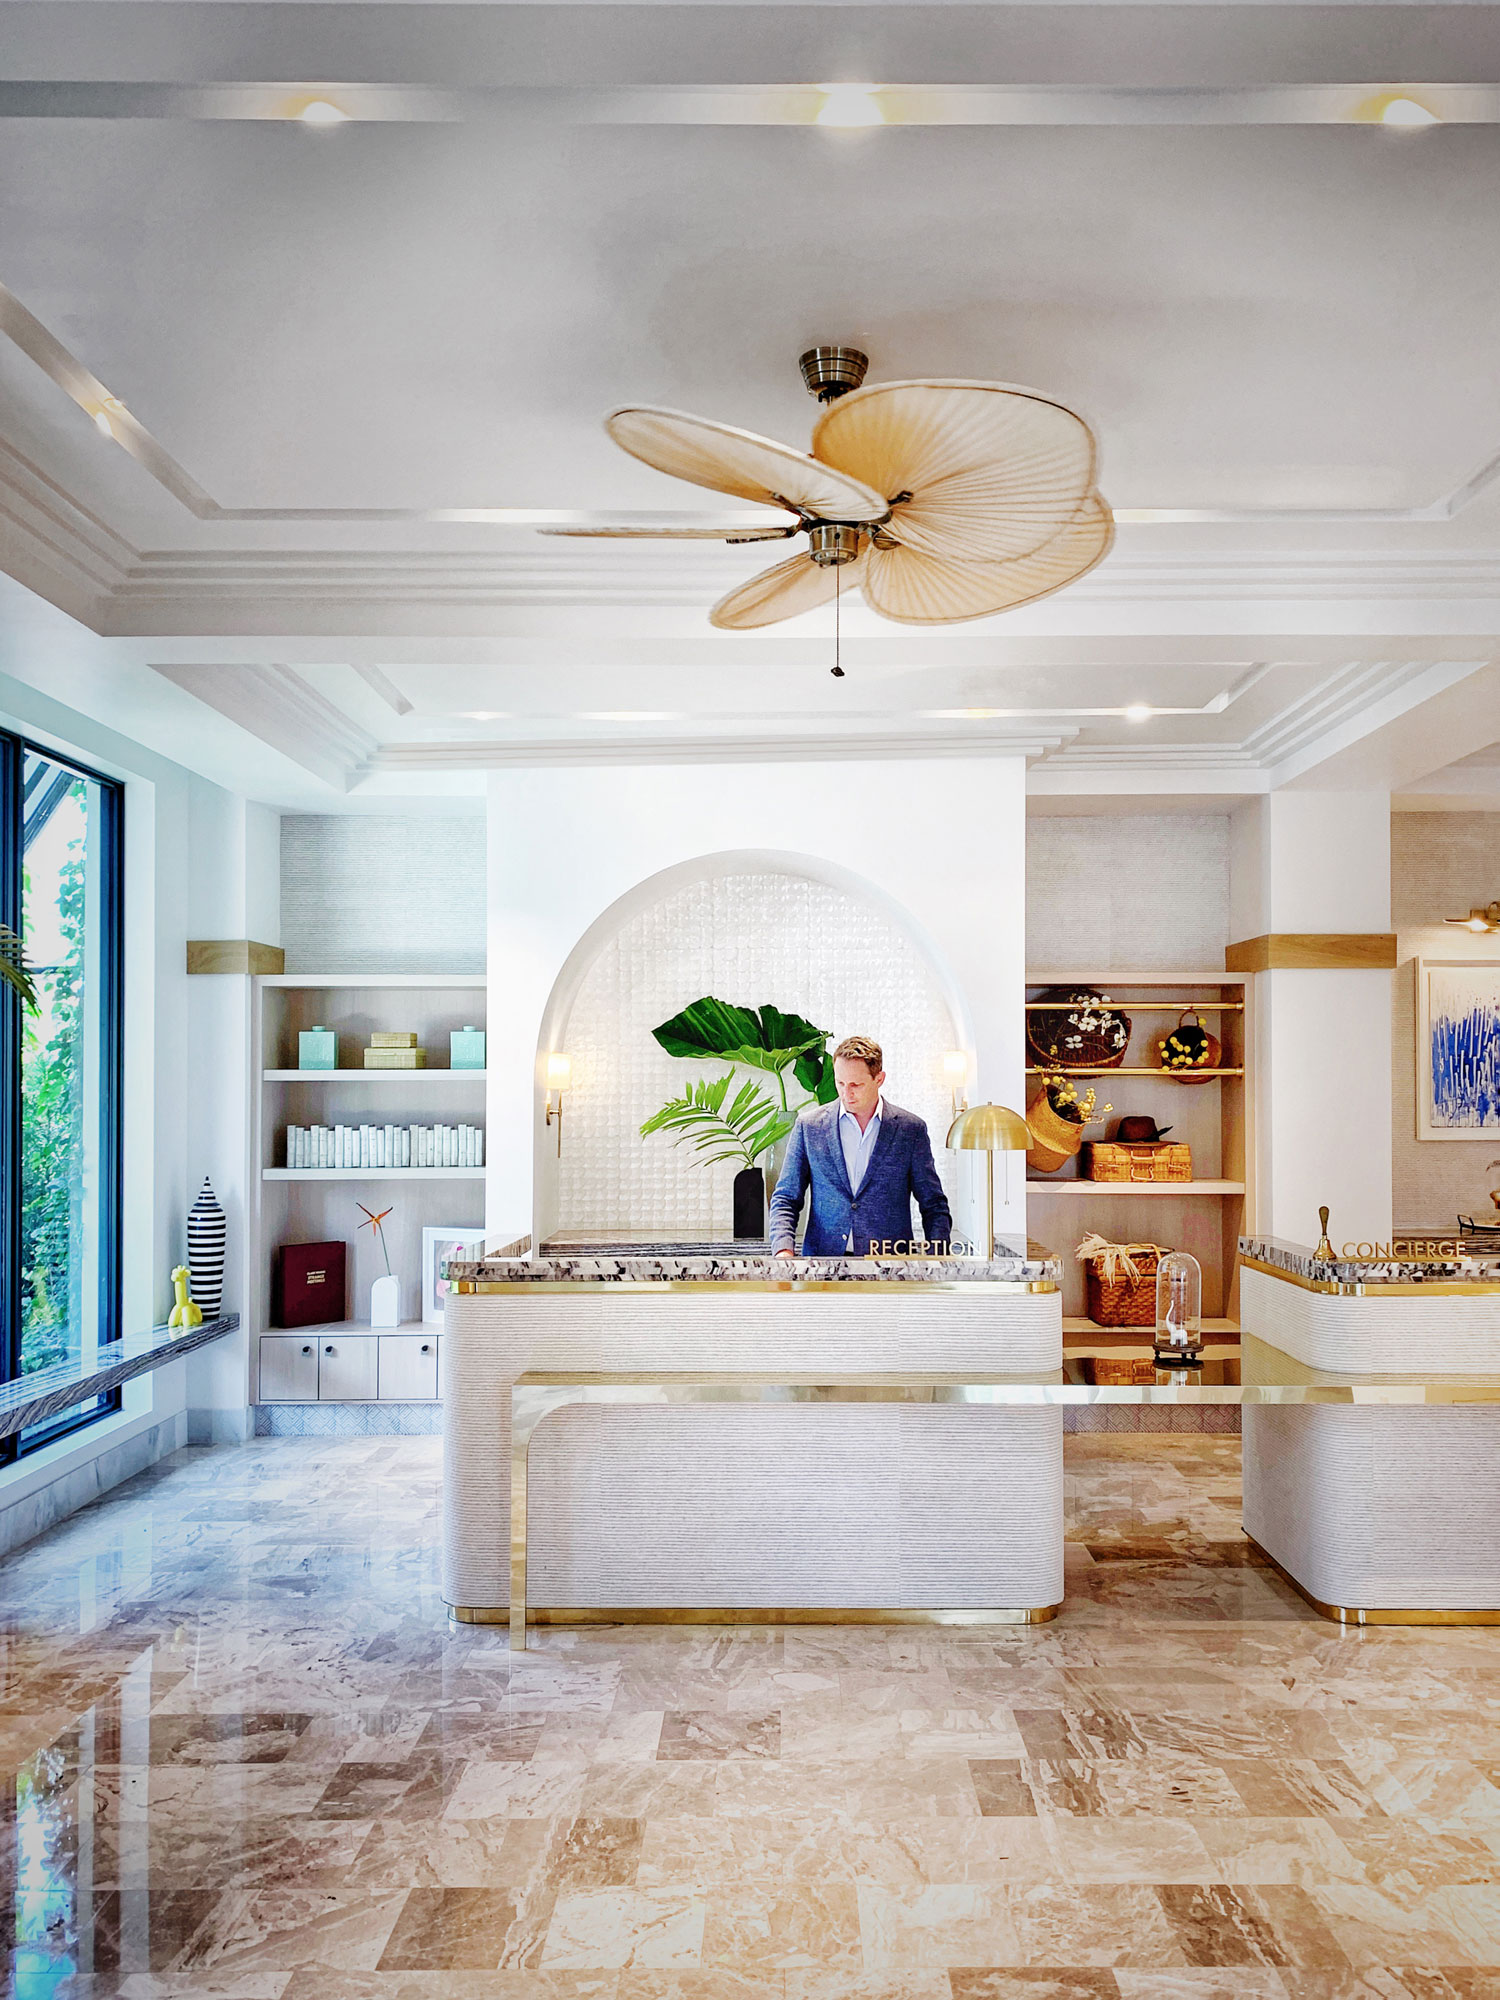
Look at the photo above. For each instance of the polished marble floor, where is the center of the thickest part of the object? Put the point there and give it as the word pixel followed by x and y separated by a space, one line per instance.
pixel 245 1756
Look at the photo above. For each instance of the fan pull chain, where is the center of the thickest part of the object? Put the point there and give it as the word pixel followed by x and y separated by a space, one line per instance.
pixel 838 579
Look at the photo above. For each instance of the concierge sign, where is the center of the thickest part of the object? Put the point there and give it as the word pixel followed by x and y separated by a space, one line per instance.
pixel 1404 1250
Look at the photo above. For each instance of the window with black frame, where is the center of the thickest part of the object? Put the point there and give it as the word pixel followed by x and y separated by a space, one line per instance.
pixel 60 893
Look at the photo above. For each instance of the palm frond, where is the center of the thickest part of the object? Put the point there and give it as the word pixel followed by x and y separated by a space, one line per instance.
pixel 13 972
pixel 750 1126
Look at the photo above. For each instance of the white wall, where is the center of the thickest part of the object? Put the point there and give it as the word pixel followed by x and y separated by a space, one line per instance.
pixel 1318 862
pixel 943 840
pixel 382 893
pixel 1442 865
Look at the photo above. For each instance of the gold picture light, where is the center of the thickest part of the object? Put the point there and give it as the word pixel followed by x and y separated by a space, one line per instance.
pixel 1487 919
pixel 989 1129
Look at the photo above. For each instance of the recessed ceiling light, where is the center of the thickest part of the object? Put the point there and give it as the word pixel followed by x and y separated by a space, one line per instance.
pixel 849 105
pixel 1406 111
pixel 101 418
pixel 1139 711
pixel 319 111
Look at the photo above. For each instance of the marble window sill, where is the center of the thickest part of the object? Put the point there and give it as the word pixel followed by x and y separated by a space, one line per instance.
pixel 32 1399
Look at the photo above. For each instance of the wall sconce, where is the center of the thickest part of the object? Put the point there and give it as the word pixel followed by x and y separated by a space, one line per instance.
pixel 1487 919
pixel 956 1069
pixel 559 1070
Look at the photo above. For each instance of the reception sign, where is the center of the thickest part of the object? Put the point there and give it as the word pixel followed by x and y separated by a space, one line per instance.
pixel 1458 1048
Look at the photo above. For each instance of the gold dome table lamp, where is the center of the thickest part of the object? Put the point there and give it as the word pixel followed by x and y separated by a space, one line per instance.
pixel 989 1129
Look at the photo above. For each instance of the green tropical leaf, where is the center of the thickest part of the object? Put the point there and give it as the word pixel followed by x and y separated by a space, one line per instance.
pixel 709 1027
pixel 13 971
pixel 750 1126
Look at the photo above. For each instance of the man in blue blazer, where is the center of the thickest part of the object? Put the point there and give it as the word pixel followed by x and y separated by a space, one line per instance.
pixel 864 1159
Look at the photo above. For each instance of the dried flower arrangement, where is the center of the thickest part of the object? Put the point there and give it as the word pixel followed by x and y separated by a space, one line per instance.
pixel 1081 1031
pixel 1062 1095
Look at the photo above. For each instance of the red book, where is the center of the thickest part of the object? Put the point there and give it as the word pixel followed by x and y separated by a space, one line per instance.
pixel 308 1285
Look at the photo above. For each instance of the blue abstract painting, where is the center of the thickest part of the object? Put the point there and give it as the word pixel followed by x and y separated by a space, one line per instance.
pixel 1463 1049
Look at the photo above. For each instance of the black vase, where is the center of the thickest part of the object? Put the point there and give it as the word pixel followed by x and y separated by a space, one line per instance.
pixel 749 1203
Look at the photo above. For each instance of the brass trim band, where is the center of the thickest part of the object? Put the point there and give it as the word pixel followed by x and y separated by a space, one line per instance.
pixel 770 1614
pixel 849 1287
pixel 1358 1614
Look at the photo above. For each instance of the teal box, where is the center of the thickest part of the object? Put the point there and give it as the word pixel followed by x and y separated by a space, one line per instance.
pixel 318 1048
pixel 467 1048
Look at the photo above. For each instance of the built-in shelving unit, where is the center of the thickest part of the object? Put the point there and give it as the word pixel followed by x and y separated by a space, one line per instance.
pixel 1206 1215
pixel 319 1204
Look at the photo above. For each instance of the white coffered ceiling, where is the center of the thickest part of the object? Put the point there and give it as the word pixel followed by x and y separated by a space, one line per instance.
pixel 324 345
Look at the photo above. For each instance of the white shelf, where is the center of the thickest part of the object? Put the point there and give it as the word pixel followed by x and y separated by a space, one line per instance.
pixel 1101 1188
pixel 374 1075
pixel 433 1328
pixel 372 1173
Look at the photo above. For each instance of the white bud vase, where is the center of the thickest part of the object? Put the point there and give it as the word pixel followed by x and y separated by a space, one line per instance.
pixel 385 1302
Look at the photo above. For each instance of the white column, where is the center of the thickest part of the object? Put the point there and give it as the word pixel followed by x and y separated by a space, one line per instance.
pixel 1318 862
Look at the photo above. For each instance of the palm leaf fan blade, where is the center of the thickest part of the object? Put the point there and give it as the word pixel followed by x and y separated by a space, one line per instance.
pixel 736 461
pixel 991 471
pixel 916 589
pixel 785 590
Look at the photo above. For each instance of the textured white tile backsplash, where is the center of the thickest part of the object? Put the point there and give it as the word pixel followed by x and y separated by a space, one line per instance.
pixel 747 938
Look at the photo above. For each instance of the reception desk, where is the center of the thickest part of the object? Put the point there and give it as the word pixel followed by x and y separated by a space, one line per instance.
pixel 780 1439
pixel 1382 1507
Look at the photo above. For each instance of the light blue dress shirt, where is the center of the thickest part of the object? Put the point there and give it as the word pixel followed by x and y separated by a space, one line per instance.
pixel 858 1146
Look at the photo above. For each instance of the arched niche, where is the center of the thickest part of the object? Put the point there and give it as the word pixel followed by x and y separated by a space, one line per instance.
pixel 749 926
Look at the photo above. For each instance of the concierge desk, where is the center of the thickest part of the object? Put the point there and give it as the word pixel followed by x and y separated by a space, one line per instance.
pixel 1382 1506
pixel 769 1439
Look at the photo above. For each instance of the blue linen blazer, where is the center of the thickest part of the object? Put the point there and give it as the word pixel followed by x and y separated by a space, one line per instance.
pixel 900 1166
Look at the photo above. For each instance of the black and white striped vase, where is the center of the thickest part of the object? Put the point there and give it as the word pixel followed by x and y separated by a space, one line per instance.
pixel 207 1229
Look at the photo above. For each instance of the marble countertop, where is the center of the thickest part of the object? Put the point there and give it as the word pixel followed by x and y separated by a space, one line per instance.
pixel 1480 1269
pixel 663 1264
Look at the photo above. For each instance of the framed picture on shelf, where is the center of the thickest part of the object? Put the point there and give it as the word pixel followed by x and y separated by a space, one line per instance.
pixel 1458 1048
pixel 438 1245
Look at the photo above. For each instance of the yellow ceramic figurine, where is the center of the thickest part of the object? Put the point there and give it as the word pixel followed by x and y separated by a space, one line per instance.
pixel 185 1315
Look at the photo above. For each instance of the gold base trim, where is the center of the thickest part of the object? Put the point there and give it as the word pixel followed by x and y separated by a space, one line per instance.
pixel 1358 1614
pixel 779 1614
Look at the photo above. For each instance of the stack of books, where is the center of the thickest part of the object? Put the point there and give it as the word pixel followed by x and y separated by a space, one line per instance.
pixel 347 1147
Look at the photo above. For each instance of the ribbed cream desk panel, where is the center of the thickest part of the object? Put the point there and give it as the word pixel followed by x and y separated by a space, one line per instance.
pixel 1439 1330
pixel 1377 1514
pixel 778 1505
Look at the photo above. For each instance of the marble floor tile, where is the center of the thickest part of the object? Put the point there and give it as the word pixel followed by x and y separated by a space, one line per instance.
pixel 247 1758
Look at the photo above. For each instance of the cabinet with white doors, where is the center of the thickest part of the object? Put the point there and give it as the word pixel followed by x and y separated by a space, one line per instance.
pixel 330 1364
pixel 350 1361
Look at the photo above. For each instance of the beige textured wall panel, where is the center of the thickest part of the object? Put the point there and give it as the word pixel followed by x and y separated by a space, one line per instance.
pixel 1378 1334
pixel 1382 1509
pixel 1127 891
pixel 398 894
pixel 966 1476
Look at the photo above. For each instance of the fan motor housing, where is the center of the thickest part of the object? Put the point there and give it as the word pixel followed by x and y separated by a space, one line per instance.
pixel 833 543
pixel 831 372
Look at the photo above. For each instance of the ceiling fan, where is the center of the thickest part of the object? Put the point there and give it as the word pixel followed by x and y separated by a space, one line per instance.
pixel 940 500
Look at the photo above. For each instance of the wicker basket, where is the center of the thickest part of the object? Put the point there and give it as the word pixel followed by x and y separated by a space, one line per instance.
pixel 1211 1057
pixel 1057 1041
pixel 1111 1160
pixel 1120 1280
pixel 1055 1140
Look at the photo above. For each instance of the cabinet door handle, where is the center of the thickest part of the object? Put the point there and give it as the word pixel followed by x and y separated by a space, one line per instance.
pixel 427 1347
pixel 307 1350
pixel 328 1350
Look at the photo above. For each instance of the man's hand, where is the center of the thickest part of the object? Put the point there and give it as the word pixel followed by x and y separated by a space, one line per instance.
pixel 786 1253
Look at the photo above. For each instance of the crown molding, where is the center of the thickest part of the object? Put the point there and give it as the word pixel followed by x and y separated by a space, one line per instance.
pixel 399 758
pixel 283 710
